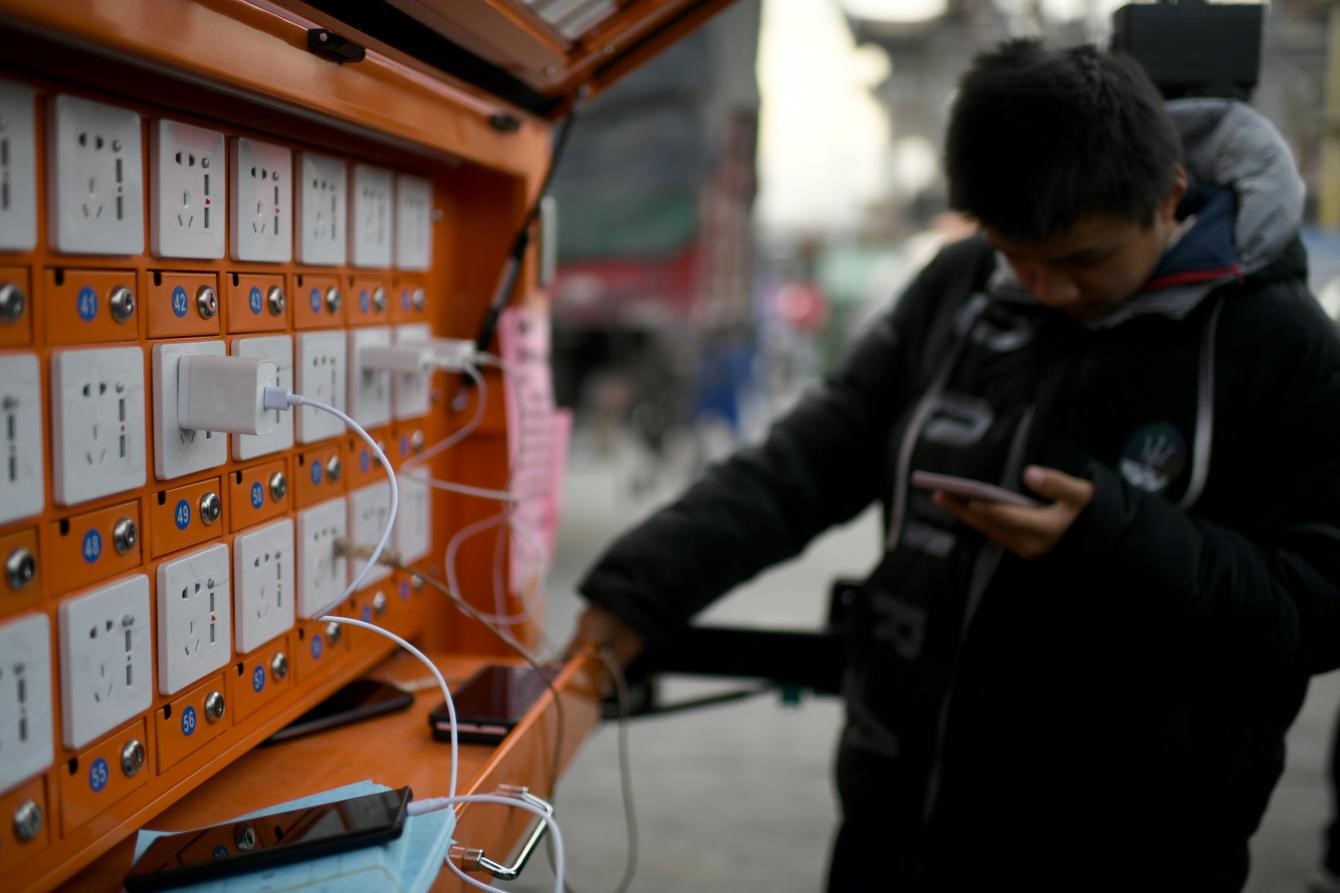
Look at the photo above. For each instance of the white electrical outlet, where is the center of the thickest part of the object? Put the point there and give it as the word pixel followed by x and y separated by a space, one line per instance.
pixel 97 423
pixel 413 222
pixel 369 389
pixel 178 451
pixel 322 575
pixel 27 741
pixel 21 481
pixel 322 219
pixel 370 202
pixel 188 210
pixel 104 659
pixel 194 617
pixel 261 193
pixel 410 389
pixel 414 519
pixel 263 577
pixel 319 373
pixel 368 508
pixel 280 349
pixel 18 168
pixel 95 178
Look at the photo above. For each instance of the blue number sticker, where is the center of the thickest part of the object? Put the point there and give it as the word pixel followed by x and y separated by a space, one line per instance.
pixel 316 300
pixel 364 461
pixel 87 302
pixel 316 647
pixel 404 445
pixel 404 590
pixel 182 515
pixel 367 614
pixel 316 472
pixel 188 721
pixel 364 302
pixel 254 300
pixel 92 547
pixel 179 301
pixel 98 775
pixel 257 495
pixel 404 299
pixel 220 851
pixel 258 678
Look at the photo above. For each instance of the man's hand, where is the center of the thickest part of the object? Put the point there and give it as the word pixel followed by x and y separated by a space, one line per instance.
pixel 608 633
pixel 1027 532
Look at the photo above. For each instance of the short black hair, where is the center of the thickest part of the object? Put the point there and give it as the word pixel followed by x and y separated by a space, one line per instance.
pixel 1040 138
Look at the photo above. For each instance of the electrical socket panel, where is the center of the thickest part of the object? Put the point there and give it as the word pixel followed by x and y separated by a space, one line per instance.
pixel 97 423
pixel 413 222
pixel 322 575
pixel 105 663
pixel 188 211
pixel 22 487
pixel 261 198
pixel 322 215
pixel 369 389
pixel 411 389
pixel 178 451
pixel 18 168
pixel 95 178
pixel 27 739
pixel 414 518
pixel 278 348
pixel 263 570
pixel 368 509
pixel 194 617
pixel 319 372
pixel 370 205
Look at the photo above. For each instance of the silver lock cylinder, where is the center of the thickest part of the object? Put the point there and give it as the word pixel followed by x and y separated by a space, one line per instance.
pixel 333 300
pixel 20 568
pixel 279 666
pixel 276 300
pixel 416 442
pixel 207 302
pixel 379 299
pixel 122 302
pixel 416 582
pixel 278 486
pixel 210 507
pixel 132 757
pixel 333 632
pixel 214 707
pixel 27 821
pixel 124 536
pixel 333 468
pixel 244 837
pixel 419 298
pixel 12 303
pixel 379 604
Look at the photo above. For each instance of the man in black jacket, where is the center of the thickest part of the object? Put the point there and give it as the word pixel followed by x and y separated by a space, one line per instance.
pixel 1091 692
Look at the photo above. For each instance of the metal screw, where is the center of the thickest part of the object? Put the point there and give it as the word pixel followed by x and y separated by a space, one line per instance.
pixel 122 302
pixel 333 632
pixel 132 757
pixel 20 568
pixel 278 486
pixel 214 707
pixel 277 300
pixel 207 301
pixel 124 536
pixel 27 821
pixel 419 298
pixel 12 303
pixel 379 299
pixel 416 442
pixel 333 468
pixel 333 300
pixel 244 837
pixel 210 507
pixel 379 604
pixel 279 666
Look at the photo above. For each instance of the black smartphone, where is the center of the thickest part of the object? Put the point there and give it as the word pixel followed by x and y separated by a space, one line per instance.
pixel 490 703
pixel 252 844
pixel 360 699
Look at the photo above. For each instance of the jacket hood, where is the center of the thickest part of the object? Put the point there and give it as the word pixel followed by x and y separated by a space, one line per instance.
pixel 1247 200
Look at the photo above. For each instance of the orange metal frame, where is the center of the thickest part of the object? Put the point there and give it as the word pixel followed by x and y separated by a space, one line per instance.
pixel 243 69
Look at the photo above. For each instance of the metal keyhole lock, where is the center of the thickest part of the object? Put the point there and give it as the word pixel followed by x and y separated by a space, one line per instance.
pixel 20 568
pixel 379 299
pixel 333 300
pixel 333 468
pixel 276 300
pixel 419 299
pixel 333 632
pixel 27 821
pixel 278 486
pixel 132 757
pixel 279 666
pixel 379 604
pixel 207 302
pixel 210 507
pixel 124 536
pixel 122 302
pixel 12 303
pixel 214 707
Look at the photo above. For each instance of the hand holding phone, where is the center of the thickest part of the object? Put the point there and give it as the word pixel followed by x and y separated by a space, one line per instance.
pixel 966 488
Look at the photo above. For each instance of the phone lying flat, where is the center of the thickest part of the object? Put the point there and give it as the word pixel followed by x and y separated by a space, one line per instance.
pixel 360 699
pixel 967 488
pixel 490 704
pixel 267 841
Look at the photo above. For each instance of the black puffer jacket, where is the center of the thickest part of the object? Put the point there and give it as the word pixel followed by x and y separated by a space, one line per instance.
pixel 1111 716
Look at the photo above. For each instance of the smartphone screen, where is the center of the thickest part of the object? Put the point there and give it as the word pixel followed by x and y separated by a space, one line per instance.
pixel 252 844
pixel 360 699
pixel 490 703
